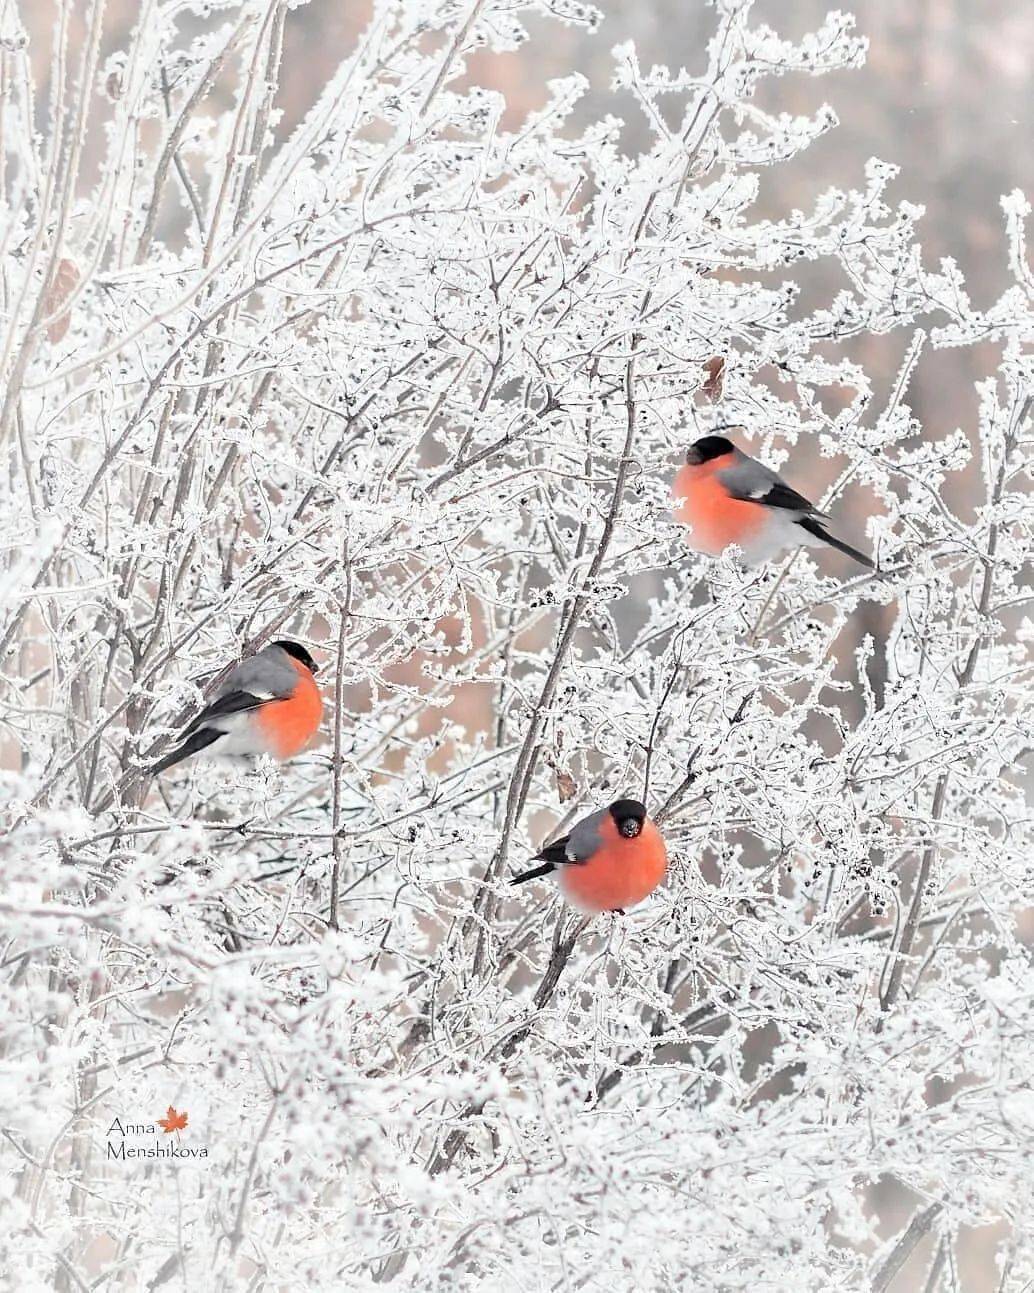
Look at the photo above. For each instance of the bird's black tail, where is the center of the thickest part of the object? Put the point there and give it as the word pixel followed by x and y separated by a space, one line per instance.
pixel 534 873
pixel 196 741
pixel 815 527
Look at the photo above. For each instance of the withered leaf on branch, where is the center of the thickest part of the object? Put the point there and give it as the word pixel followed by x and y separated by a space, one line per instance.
pixel 714 381
pixel 566 786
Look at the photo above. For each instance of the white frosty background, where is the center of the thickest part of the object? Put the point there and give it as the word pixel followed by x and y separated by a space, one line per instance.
pixel 405 373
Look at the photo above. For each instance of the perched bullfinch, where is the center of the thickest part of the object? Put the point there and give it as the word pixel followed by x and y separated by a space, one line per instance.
pixel 268 704
pixel 727 498
pixel 610 860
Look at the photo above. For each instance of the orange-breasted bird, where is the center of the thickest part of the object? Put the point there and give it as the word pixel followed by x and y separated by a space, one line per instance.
pixel 268 704
pixel 610 860
pixel 727 498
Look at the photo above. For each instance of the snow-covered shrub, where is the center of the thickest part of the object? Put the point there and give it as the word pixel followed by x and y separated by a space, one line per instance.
pixel 411 386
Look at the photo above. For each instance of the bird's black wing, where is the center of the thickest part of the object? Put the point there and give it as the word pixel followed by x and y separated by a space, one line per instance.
pixel 778 495
pixel 553 855
pixel 231 702
pixel 556 853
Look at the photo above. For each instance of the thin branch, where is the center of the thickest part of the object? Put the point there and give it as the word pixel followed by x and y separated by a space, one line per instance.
pixel 917 1228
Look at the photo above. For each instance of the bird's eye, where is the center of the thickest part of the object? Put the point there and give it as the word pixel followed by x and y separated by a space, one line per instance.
pixel 630 828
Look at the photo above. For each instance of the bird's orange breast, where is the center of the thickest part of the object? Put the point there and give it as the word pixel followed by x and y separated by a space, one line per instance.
pixel 289 725
pixel 621 873
pixel 715 518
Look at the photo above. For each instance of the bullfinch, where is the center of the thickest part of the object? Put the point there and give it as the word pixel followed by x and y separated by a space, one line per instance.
pixel 610 860
pixel 268 704
pixel 727 498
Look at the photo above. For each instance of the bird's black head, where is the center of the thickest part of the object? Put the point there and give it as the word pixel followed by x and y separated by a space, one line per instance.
pixel 711 446
pixel 298 652
pixel 629 815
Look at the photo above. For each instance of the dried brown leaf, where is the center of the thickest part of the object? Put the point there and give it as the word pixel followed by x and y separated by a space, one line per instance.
pixel 62 285
pixel 714 381
pixel 566 786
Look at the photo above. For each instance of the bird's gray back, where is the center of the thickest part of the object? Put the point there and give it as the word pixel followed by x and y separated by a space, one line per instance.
pixel 269 673
pixel 747 478
pixel 585 837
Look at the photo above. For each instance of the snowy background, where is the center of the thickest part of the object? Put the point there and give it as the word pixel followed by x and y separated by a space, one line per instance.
pixel 384 328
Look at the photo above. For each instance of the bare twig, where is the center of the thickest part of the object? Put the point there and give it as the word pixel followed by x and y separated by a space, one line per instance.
pixel 918 1227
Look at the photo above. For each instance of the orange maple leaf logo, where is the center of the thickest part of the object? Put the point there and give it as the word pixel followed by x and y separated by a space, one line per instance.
pixel 172 1121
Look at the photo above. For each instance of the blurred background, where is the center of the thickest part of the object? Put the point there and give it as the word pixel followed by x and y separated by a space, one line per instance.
pixel 945 94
